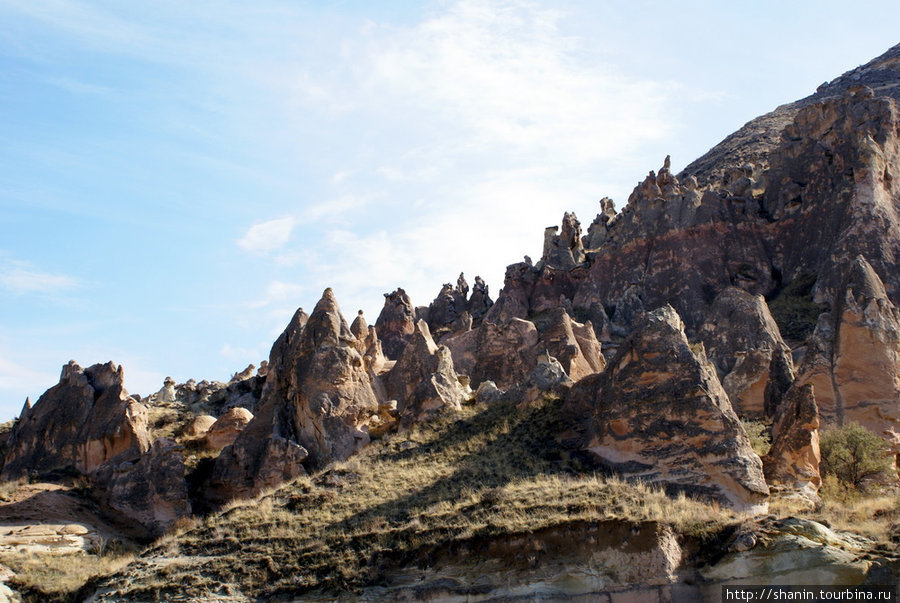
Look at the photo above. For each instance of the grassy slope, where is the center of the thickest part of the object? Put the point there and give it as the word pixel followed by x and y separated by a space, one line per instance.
pixel 479 473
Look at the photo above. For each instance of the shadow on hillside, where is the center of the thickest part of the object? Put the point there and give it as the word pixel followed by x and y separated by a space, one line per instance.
pixel 523 446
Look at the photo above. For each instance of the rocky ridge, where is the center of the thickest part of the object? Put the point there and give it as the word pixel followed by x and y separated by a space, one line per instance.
pixel 760 282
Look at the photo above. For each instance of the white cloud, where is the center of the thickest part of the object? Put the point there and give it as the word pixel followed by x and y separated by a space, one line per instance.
pixel 265 237
pixel 277 292
pixel 20 278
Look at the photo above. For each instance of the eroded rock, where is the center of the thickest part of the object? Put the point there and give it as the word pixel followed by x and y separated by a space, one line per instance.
pixel 87 419
pixel 659 414
pixel 745 345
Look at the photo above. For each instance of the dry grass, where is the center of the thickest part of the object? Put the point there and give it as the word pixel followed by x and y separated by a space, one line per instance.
pixel 49 577
pixel 477 474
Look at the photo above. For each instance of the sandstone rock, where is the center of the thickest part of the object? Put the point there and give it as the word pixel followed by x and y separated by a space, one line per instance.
pixel 199 426
pixel 424 381
pixel 745 345
pixel 793 552
pixel 151 490
pixel 659 414
pixel 368 344
pixel 87 419
pixel 167 393
pixel 225 430
pixel 794 457
pixel 508 352
pixel 396 323
pixel 315 407
pixel 243 375
pixel 854 357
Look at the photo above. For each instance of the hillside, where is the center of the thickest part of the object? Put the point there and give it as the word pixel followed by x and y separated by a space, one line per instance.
pixel 652 409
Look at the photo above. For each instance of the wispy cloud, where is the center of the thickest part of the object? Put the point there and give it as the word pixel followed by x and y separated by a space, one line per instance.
pixel 22 278
pixel 265 237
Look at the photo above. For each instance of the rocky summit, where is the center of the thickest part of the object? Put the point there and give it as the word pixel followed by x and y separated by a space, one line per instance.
pixel 652 410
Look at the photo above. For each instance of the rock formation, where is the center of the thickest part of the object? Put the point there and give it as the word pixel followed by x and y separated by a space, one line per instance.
pixel 744 344
pixel 396 323
pixel 506 352
pixel 660 415
pixel 853 361
pixel 424 381
pixel 87 419
pixel 151 490
pixel 794 457
pixel 226 429
pixel 315 407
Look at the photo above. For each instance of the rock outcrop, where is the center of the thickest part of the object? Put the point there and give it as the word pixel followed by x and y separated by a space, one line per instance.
pixel 744 344
pixel 151 490
pixel 396 323
pixel 315 408
pixel 87 419
pixel 659 414
pixel 423 381
pixel 793 460
pixel 853 361
pixel 507 352
pixel 226 428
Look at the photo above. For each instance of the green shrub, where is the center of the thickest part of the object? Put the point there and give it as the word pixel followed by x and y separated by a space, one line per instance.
pixel 760 436
pixel 853 454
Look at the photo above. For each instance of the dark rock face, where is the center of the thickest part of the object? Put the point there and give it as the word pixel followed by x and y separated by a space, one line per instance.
pixel 659 414
pixel 853 360
pixel 795 194
pixel 744 344
pixel 453 312
pixel 396 323
pixel 315 407
pixel 151 490
pixel 87 419
pixel 794 457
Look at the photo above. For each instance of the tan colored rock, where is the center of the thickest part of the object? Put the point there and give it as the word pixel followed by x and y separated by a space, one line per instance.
pixel 315 408
pixel 659 414
pixel 854 357
pixel 225 430
pixel 794 458
pixel 87 419
pixel 423 381
pixel 151 490
pixel 507 352
pixel 199 426
pixel 745 345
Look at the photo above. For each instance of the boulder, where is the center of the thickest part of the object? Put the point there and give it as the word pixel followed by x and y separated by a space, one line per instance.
pixel 744 344
pixel 199 426
pixel 225 430
pixel 151 490
pixel 87 419
pixel 395 323
pixel 659 414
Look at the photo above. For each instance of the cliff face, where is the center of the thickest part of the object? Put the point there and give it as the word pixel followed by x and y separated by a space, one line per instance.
pixel 796 193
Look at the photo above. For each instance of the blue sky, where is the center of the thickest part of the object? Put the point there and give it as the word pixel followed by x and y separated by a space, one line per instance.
pixel 176 178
